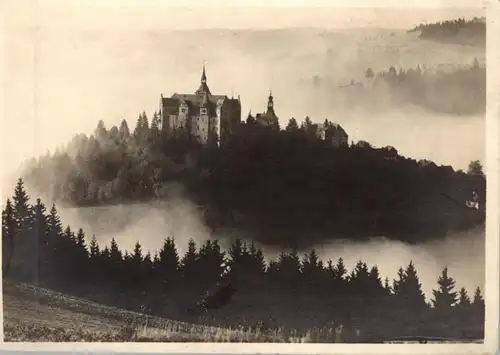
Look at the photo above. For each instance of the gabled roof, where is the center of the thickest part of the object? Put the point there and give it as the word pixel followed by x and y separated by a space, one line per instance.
pixel 338 129
pixel 169 101
pixel 332 127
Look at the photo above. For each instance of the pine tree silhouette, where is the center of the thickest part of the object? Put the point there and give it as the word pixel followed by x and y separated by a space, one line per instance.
pixel 9 228
pixel 444 297
pixel 463 299
pixel 168 264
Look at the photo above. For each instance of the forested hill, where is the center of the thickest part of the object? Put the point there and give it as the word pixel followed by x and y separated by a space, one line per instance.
pixel 283 187
pixel 460 31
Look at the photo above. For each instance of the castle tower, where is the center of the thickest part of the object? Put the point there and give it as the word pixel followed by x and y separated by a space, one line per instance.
pixel 203 90
pixel 268 118
pixel 270 104
pixel 203 75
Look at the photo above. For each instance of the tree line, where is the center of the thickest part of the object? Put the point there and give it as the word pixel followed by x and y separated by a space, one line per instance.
pixel 459 91
pixel 444 30
pixel 37 249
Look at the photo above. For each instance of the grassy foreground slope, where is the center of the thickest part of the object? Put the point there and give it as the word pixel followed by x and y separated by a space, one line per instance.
pixel 35 314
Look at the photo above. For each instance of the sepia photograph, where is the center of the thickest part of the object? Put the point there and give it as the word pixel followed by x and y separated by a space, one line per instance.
pixel 244 174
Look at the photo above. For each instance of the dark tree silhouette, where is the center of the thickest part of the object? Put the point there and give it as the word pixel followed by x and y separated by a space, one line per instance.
pixel 445 297
pixel 8 235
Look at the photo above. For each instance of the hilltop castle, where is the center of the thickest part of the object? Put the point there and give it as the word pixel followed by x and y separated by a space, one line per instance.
pixel 207 116
pixel 202 114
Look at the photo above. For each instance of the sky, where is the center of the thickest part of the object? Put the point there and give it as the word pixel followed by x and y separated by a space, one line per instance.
pixel 234 14
pixel 70 63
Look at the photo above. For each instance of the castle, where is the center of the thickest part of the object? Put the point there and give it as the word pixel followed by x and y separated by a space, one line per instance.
pixel 202 114
pixel 206 116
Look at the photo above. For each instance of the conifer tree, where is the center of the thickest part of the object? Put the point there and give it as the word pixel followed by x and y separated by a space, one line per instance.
pixel 272 270
pixel 124 131
pixel 94 249
pixel 137 257
pixel 408 289
pixel 478 304
pixel 100 132
pixel 147 269
pixel 147 259
pixel 375 282
pixel 155 127
pixel 105 256
pixel 359 278
pixel 210 263
pixel 463 299
pixel 21 207
pixel 311 269
pixel 478 309
pixel 235 253
pixel 156 260
pixel 68 234
pixel 413 287
pixel 80 241
pixel 387 286
pixel 398 285
pixel 115 252
pixel 191 255
pixel 168 263
pixel 289 267
pixel 340 270
pixel 54 231
pixel 292 125
pixel 55 242
pixel 40 226
pixel 444 297
pixel 65 253
pixel 145 122
pixel 81 253
pixel 9 227
pixel 189 264
pixel 258 261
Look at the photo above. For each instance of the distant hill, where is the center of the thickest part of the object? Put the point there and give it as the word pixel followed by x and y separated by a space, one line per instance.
pixel 458 31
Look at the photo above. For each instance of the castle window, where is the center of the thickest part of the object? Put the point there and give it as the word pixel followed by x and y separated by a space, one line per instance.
pixel 183 110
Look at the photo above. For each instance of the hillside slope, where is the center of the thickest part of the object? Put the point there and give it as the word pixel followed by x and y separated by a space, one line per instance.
pixel 36 314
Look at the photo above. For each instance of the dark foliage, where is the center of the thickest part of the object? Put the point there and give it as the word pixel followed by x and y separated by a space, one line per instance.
pixel 455 31
pixel 278 185
pixel 457 91
pixel 318 294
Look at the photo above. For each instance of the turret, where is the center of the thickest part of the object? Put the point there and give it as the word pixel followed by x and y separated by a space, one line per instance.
pixel 270 103
pixel 203 89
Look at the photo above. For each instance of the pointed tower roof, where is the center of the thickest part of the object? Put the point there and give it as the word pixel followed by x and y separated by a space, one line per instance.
pixel 270 103
pixel 203 75
pixel 203 89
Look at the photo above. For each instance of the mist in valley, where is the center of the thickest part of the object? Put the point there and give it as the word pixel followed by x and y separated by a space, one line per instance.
pixel 150 223
pixel 84 76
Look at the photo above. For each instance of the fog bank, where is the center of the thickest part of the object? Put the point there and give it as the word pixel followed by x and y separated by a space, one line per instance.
pixel 462 252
